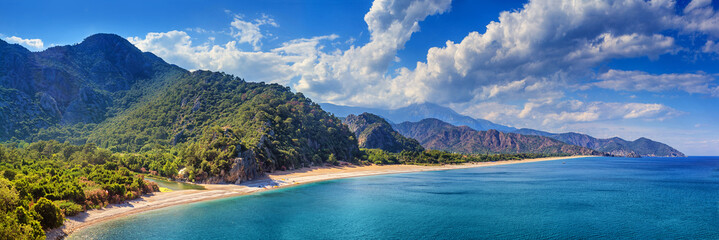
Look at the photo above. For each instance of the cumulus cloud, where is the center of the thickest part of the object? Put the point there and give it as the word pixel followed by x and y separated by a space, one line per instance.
pixel 520 64
pixel 543 38
pixel 699 16
pixel 33 44
pixel 358 75
pixel 552 113
pixel 711 47
pixel 278 66
pixel 249 31
pixel 619 80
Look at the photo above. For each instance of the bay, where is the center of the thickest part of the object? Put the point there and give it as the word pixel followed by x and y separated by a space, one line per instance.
pixel 586 198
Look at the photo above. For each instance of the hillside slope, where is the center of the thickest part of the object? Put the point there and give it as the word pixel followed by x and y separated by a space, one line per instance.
pixel 214 126
pixel 82 83
pixel 373 131
pixel 615 146
pixel 439 135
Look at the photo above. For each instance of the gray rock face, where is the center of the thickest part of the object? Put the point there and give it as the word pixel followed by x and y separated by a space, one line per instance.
pixel 243 168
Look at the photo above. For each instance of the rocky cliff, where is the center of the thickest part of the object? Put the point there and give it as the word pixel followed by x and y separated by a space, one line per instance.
pixel 374 132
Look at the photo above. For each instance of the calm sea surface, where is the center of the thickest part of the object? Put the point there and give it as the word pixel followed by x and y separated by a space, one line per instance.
pixel 589 198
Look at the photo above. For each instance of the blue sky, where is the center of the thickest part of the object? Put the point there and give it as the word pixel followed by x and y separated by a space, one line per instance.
pixel 628 68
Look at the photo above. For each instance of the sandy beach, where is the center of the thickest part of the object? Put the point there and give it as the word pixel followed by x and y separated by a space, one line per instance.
pixel 274 180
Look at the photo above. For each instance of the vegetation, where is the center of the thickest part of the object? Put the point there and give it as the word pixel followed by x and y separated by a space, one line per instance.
pixel 435 157
pixel 211 118
pixel 44 181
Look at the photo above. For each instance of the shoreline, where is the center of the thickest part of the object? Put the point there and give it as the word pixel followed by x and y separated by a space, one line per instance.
pixel 276 180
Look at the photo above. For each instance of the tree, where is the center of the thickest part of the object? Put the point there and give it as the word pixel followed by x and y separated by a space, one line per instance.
pixel 49 213
pixel 8 195
pixel 332 159
pixel 170 169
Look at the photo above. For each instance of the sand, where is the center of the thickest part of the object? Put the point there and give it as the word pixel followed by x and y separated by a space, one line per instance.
pixel 274 180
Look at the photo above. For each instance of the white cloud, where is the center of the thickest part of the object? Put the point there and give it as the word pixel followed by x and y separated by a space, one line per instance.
pixel 33 44
pixel 542 39
pixel 358 75
pixel 711 47
pixel 699 16
pixel 249 31
pixel 552 114
pixel 619 80
pixel 515 72
pixel 278 66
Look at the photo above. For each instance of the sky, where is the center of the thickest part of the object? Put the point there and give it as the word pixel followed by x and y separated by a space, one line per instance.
pixel 626 68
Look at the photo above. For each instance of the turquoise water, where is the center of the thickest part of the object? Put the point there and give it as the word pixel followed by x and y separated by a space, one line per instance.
pixel 589 198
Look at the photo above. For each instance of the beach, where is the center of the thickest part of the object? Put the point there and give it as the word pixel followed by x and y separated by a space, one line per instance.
pixel 278 179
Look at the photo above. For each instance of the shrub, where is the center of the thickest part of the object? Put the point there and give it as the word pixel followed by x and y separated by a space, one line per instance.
pixel 50 215
pixel 96 198
pixel 69 208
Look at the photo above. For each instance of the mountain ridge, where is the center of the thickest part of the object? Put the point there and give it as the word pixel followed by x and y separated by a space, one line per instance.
pixel 417 112
pixel 439 135
pixel 641 147
pixel 373 131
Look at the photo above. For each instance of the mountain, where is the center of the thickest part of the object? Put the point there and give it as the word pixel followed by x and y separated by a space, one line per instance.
pixel 82 83
pixel 438 135
pixel 217 127
pixel 615 146
pixel 418 112
pixel 373 131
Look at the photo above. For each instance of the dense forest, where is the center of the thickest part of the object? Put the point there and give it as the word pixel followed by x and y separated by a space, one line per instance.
pixel 436 157
pixel 43 182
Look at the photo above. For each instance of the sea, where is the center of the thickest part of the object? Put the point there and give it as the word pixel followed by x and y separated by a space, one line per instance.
pixel 584 198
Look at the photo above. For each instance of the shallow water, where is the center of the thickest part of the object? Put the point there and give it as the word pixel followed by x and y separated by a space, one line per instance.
pixel 588 198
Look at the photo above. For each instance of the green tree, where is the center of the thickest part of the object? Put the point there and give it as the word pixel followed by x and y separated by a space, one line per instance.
pixel 332 159
pixel 8 195
pixel 49 213
pixel 170 169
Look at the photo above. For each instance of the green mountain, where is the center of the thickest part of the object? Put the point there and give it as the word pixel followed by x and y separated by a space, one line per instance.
pixel 438 135
pixel 614 146
pixel 82 83
pixel 373 131
pixel 105 91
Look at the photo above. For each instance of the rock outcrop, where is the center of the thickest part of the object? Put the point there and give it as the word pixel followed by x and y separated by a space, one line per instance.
pixel 374 132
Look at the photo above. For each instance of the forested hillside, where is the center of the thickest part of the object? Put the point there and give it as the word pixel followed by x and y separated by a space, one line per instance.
pixel 43 182
pixel 78 84
pixel 214 118
pixel 107 92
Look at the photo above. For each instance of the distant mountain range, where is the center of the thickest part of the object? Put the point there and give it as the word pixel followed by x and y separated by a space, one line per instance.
pixel 436 134
pixel 615 146
pixel 418 112
pixel 373 131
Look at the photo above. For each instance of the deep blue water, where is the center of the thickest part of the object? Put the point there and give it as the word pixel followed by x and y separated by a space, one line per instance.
pixel 589 198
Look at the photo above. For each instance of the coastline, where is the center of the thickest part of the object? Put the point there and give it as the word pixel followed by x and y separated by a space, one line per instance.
pixel 279 179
